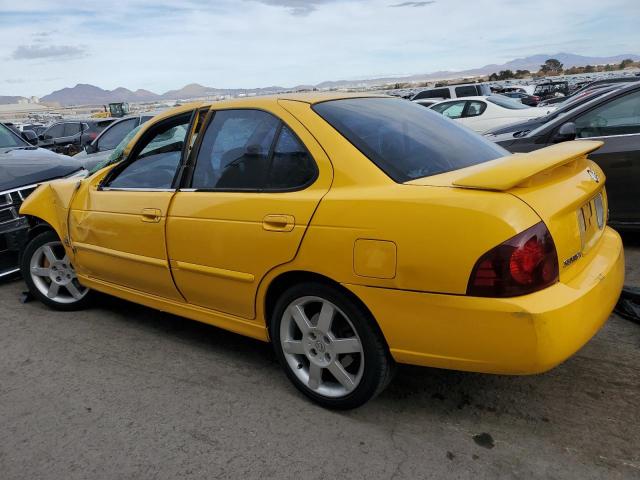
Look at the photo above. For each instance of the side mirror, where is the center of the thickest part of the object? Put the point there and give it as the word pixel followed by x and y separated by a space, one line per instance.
pixel 30 136
pixel 567 131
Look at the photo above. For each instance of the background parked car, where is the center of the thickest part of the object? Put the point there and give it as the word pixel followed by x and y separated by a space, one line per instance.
pixel 552 89
pixel 590 87
pixel 483 113
pixel 454 91
pixel 109 139
pixel 70 136
pixel 522 128
pixel 22 168
pixel 525 98
pixel 613 118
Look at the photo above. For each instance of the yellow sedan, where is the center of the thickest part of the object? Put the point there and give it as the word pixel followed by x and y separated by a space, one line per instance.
pixel 353 232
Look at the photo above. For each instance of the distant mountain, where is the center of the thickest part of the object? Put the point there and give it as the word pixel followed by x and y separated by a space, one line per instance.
pixel 84 94
pixel 7 100
pixel 531 63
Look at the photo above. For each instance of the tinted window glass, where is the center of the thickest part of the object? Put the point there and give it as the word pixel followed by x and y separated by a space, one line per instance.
pixel 291 165
pixel 475 108
pixel 71 129
pixel 450 109
pixel 156 165
pixel 114 135
pixel 617 117
pixel 235 150
pixel 55 131
pixel 435 93
pixel 405 140
pixel 466 91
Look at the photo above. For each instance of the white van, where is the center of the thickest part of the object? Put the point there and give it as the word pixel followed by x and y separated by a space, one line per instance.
pixel 454 91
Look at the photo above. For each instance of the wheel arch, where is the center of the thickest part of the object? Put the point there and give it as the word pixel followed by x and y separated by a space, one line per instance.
pixel 279 284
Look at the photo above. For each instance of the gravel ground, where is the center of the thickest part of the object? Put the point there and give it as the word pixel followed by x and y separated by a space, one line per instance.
pixel 121 391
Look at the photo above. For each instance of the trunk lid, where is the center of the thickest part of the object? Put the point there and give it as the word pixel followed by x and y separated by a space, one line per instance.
pixel 559 183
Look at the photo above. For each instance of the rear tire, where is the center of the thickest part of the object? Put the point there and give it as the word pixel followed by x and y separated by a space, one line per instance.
pixel 329 346
pixel 48 273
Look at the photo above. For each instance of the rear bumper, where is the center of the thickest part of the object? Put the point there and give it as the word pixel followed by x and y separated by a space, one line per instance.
pixel 521 335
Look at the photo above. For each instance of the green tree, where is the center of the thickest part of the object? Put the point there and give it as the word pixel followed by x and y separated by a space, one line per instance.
pixel 589 69
pixel 625 63
pixel 551 67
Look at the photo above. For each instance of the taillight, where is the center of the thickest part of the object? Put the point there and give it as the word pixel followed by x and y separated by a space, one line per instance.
pixel 92 135
pixel 536 98
pixel 523 264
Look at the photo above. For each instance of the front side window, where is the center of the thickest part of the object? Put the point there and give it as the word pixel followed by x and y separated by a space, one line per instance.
pixel 158 156
pixel 617 117
pixel 450 109
pixel 114 135
pixel 405 140
pixel 71 129
pixel 55 131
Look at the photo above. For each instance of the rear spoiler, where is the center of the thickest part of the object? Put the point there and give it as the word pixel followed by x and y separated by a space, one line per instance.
pixel 505 173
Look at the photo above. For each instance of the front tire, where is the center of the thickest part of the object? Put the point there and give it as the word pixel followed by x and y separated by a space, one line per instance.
pixel 329 346
pixel 48 273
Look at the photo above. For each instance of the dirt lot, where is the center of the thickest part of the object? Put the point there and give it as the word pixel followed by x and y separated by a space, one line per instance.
pixel 122 391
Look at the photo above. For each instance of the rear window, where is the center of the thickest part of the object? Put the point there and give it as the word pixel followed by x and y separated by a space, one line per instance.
pixel 507 102
pixel 405 140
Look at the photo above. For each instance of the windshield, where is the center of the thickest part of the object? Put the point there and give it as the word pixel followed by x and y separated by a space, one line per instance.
pixel 506 102
pixel 406 140
pixel 8 139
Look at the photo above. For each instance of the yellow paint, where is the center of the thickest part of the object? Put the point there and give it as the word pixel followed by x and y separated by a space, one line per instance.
pixel 374 258
pixel 405 250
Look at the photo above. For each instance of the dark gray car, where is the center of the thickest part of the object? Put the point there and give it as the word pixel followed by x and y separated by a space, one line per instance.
pixel 613 118
pixel 104 144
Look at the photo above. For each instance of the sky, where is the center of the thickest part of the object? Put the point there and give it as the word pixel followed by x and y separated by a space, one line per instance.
pixel 165 44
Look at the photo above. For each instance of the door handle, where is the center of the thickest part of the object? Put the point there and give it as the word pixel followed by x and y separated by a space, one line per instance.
pixel 278 223
pixel 151 215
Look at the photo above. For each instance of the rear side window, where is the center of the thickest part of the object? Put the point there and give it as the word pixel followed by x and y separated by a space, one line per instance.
pixel 405 140
pixel 251 150
pixel 435 93
pixel 466 91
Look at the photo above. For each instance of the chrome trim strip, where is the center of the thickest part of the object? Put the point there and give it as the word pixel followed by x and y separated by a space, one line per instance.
pixel 13 214
pixel 106 189
pixel 609 136
pixel 9 272
pixel 26 187
pixel 156 262
pixel 212 271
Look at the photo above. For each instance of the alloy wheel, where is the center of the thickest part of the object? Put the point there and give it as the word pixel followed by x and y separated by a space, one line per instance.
pixel 321 346
pixel 53 275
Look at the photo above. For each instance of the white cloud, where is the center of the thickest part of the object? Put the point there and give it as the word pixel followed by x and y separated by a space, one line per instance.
pixel 165 44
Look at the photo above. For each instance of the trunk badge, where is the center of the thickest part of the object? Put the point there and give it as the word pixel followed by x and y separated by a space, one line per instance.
pixel 594 176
